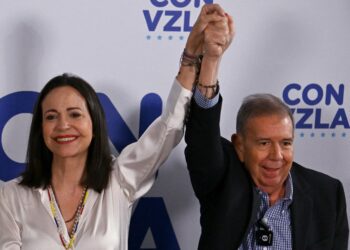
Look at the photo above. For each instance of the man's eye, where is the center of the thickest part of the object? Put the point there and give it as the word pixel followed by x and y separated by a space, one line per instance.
pixel 287 143
pixel 263 143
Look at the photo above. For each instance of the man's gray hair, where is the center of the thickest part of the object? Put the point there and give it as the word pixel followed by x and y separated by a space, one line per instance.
pixel 260 105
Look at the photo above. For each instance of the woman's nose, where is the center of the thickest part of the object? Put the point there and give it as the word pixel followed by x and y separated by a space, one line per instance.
pixel 63 123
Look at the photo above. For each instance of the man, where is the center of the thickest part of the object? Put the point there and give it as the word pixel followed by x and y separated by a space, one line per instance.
pixel 251 193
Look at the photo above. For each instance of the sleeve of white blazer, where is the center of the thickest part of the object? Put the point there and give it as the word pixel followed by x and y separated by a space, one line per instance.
pixel 138 162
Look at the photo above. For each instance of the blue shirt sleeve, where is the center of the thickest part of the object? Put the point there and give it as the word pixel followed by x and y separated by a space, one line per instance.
pixel 203 101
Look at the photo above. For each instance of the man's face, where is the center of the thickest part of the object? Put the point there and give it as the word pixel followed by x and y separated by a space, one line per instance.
pixel 266 148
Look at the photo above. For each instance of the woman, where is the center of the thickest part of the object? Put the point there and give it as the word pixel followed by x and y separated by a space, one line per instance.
pixel 73 195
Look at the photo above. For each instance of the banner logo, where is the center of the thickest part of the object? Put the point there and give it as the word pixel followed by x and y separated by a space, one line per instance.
pixel 318 109
pixel 170 19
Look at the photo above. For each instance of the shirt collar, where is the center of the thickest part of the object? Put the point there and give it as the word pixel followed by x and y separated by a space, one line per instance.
pixel 288 194
pixel 289 188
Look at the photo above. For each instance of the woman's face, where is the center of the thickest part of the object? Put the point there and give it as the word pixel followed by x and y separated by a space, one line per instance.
pixel 67 125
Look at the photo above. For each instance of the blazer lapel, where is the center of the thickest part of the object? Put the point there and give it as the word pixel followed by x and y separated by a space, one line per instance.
pixel 301 208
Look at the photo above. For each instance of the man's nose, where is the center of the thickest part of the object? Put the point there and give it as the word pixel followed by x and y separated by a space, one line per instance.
pixel 276 152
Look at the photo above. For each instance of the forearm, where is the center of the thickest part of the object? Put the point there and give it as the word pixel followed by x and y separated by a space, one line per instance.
pixel 204 152
pixel 187 76
pixel 189 65
pixel 195 45
pixel 208 77
pixel 138 162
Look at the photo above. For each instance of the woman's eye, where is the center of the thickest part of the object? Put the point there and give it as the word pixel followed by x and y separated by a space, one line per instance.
pixel 75 115
pixel 50 117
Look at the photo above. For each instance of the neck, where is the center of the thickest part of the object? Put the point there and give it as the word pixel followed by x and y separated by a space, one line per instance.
pixel 275 196
pixel 67 173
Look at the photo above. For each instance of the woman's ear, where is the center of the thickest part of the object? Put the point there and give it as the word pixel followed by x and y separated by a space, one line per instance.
pixel 237 142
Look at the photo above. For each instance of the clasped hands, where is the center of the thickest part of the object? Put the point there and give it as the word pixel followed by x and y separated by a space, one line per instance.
pixel 212 32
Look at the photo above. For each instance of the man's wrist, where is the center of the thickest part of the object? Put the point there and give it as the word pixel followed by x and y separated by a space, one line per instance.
pixel 208 90
pixel 203 101
pixel 209 70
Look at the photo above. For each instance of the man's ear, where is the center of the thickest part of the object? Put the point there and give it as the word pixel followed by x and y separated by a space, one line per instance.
pixel 237 142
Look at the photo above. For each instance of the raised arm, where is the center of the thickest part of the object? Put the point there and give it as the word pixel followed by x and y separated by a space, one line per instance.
pixel 204 152
pixel 217 38
pixel 137 164
pixel 203 32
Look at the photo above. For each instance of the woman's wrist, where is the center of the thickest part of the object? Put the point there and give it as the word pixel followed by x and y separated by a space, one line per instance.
pixel 190 66
pixel 194 48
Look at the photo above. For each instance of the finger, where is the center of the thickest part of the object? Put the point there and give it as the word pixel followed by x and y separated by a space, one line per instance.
pixel 221 27
pixel 209 13
pixel 215 39
pixel 211 8
pixel 214 18
pixel 231 26
pixel 203 21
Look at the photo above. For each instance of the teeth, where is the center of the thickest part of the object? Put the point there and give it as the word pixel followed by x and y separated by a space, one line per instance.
pixel 65 139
